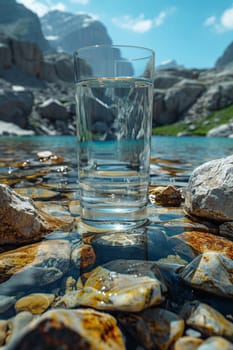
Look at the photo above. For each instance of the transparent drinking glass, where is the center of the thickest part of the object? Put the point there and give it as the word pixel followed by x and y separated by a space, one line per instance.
pixel 114 93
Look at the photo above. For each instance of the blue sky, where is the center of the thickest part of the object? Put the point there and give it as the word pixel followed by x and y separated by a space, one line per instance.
pixel 193 32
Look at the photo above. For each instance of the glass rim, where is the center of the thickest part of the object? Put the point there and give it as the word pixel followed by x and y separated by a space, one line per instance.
pixel 146 49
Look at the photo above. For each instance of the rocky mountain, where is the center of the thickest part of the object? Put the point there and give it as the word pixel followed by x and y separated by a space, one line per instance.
pixel 226 58
pixel 37 94
pixel 19 22
pixel 67 32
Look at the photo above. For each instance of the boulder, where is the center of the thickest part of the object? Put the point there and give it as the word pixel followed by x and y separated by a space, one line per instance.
pixel 27 56
pixel 5 55
pixel 218 96
pixel 223 130
pixel 64 67
pixel 210 190
pixel 16 106
pixel 182 96
pixel 171 104
pixel 53 109
pixel 21 221
pixel 48 71
pixel 57 66
pixel 165 81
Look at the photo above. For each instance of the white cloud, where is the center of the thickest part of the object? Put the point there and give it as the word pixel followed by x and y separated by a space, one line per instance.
pixel 138 24
pixel 80 2
pixel 41 8
pixel 210 21
pixel 226 19
pixel 141 24
pixel 158 21
pixel 223 23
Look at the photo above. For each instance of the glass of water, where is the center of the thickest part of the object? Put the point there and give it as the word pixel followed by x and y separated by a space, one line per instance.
pixel 114 93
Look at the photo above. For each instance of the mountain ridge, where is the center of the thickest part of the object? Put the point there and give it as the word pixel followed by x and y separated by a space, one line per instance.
pixel 70 31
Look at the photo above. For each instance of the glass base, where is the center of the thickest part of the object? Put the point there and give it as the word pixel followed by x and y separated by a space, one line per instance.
pixel 106 221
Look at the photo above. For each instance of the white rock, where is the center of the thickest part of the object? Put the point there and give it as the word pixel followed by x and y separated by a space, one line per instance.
pixel 210 190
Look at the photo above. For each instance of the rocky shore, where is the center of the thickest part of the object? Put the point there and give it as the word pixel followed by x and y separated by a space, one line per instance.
pixel 167 285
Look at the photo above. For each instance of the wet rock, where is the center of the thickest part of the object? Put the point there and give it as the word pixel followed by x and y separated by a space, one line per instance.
pixel 226 229
pixel 187 343
pixel 6 302
pixel 70 284
pixel 35 264
pixel 168 196
pixel 70 329
pixel 124 285
pixel 53 109
pixel 192 243
pixel 3 331
pixel 17 323
pixel 210 272
pixel 210 190
pixel 21 221
pixel 154 328
pixel 35 303
pixel 216 343
pixel 36 193
pixel 44 155
pixel 83 256
pixel 204 318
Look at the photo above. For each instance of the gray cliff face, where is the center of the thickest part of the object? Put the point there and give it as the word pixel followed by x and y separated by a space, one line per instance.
pixel 68 32
pixel 226 58
pixel 19 22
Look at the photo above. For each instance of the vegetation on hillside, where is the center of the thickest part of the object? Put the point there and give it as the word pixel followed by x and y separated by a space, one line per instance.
pixel 199 127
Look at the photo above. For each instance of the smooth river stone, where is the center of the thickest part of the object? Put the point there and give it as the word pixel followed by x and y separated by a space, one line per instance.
pixel 123 285
pixel 6 302
pixel 211 272
pixel 36 193
pixel 70 329
pixel 204 318
pixel 216 343
pixel 35 264
pixel 154 328
pixel 36 303
pixel 193 243
pixel 187 343
pixel 168 196
pixel 3 331
pixel 17 323
pixel 21 221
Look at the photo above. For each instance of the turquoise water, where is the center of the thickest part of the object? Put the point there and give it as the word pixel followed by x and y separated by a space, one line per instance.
pixel 173 158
